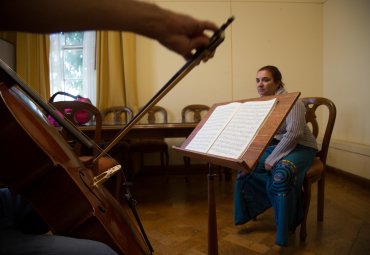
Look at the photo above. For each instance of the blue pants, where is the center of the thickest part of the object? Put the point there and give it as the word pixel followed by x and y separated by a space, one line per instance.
pixel 280 188
pixel 22 232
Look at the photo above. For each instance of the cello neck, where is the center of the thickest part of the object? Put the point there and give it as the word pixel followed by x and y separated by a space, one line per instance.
pixel 11 77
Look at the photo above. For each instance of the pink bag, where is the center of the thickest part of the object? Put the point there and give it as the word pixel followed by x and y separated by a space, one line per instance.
pixel 81 116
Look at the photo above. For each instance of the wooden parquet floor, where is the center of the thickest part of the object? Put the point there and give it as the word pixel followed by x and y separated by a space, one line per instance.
pixel 175 217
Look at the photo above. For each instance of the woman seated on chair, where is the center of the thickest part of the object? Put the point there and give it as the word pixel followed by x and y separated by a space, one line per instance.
pixel 278 177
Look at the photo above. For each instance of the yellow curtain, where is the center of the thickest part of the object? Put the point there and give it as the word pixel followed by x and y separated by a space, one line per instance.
pixel 32 61
pixel 116 69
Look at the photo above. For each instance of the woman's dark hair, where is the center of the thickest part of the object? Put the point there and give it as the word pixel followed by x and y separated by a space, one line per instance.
pixel 275 74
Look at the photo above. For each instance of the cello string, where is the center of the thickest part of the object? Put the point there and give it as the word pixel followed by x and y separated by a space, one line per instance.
pixel 103 176
pixel 14 94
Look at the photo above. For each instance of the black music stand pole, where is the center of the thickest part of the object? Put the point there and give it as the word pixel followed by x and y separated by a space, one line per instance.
pixel 212 219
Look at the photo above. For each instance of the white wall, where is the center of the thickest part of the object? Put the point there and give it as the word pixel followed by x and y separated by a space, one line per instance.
pixel 321 46
pixel 346 47
pixel 286 34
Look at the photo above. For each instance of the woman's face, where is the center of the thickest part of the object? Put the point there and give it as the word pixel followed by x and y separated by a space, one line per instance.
pixel 266 86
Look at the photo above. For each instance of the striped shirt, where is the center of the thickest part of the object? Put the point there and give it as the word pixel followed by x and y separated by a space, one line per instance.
pixel 294 130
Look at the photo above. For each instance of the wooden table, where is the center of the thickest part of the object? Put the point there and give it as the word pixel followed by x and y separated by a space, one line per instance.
pixel 169 130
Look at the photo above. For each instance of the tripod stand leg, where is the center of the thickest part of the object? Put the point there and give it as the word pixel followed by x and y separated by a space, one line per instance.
pixel 132 204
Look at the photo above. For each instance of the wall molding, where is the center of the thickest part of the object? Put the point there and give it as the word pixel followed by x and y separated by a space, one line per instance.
pixel 349 157
pixel 360 149
pixel 355 178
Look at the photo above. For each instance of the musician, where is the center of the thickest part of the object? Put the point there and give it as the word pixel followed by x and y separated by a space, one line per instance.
pixel 21 229
pixel 278 177
pixel 179 33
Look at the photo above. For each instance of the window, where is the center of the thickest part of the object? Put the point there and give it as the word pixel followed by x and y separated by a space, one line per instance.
pixel 72 64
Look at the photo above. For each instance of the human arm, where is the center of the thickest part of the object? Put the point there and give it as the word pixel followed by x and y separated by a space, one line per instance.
pixel 177 32
pixel 293 128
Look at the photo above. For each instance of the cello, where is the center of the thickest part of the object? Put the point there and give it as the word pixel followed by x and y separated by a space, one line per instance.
pixel 40 165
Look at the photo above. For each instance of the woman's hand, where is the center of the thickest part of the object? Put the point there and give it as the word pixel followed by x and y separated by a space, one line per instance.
pixel 268 167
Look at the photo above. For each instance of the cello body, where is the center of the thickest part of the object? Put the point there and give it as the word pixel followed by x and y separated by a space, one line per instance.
pixel 37 163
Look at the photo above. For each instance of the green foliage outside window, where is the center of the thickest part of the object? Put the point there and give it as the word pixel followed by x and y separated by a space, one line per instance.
pixel 73 57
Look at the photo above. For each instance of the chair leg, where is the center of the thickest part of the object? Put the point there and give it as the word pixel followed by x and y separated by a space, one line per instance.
pixel 167 158
pixel 227 173
pixel 187 167
pixel 220 172
pixel 165 163
pixel 162 159
pixel 141 161
pixel 320 198
pixel 119 180
pixel 306 206
pixel 224 172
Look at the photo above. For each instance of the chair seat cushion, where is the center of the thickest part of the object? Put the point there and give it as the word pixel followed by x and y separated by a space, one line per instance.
pixel 315 171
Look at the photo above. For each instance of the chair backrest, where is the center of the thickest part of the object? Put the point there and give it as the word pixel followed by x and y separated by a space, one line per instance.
pixel 154 111
pixel 196 110
pixel 312 104
pixel 117 114
pixel 75 111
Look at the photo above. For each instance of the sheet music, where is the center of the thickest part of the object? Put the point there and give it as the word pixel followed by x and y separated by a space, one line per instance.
pixel 231 128
pixel 212 128
pixel 241 130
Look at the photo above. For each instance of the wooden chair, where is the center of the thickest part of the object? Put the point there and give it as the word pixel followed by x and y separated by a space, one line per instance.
pixel 192 113
pixel 119 115
pixel 316 172
pixel 155 114
pixel 75 110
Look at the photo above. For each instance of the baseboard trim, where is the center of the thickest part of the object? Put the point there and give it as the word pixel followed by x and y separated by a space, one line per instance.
pixel 352 177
